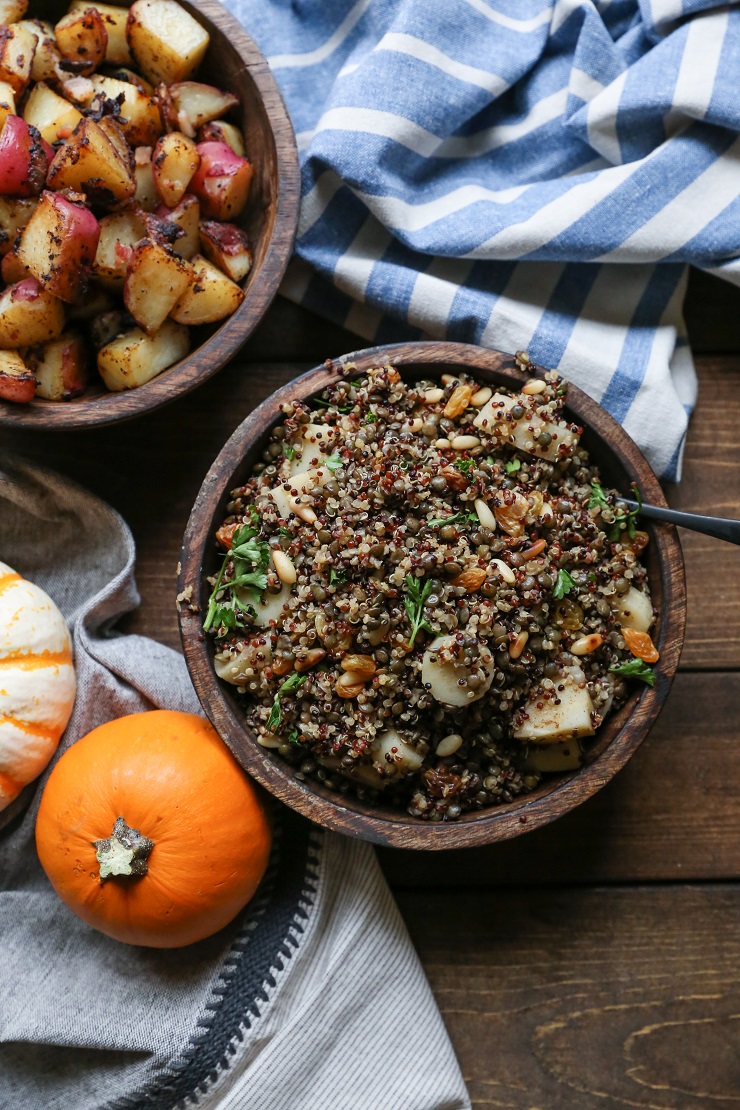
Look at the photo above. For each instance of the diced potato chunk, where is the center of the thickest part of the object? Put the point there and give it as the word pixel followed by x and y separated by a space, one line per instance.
pixel 146 195
pixel 17 48
pixel 291 500
pixel 210 297
pixel 523 433
pixel 551 758
pixel 140 118
pixel 17 382
pixel 15 212
pixel 165 40
pixel 175 160
pixel 311 448
pixel 82 38
pixel 58 245
pixel 221 132
pixel 393 755
pixel 186 217
pixel 135 358
pixel 547 723
pixel 46 58
pixel 7 102
pixel 114 19
pixel 191 105
pixel 119 234
pixel 634 610
pixel 88 162
pixel 270 605
pixel 155 281
pixel 29 315
pixel 12 10
pixel 60 367
pixel 52 115
pixel 227 246
pixel 443 673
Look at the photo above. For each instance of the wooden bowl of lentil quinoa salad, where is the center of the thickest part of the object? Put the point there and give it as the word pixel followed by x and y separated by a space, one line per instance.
pixel 620 463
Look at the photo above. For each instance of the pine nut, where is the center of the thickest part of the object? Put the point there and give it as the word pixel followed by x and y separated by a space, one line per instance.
pixel 485 515
pixel 351 678
pixel 449 745
pixel 303 511
pixel 505 571
pixel 269 741
pixel 286 572
pixel 464 443
pixel 480 398
pixel 546 512
pixel 416 425
pixel 584 645
pixel 516 647
pixel 432 396
pixel 448 379
pixel 441 443
pixel 533 387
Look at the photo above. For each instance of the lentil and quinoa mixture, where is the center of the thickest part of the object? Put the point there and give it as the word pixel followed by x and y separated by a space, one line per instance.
pixel 426 594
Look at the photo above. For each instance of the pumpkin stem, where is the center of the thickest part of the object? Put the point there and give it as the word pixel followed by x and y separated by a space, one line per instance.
pixel 125 852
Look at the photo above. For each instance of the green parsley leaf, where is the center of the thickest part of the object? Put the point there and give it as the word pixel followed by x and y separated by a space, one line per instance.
pixel 464 465
pixel 250 558
pixel 289 452
pixel 564 585
pixel 255 516
pixel 294 737
pixel 283 531
pixel 513 465
pixel 371 418
pixel 334 462
pixel 276 713
pixel 636 668
pixel 414 604
pixel 437 522
pixel 336 576
pixel 597 499
pixel 627 519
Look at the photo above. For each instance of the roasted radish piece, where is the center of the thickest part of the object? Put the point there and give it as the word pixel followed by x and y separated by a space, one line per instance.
pixel 60 367
pixel 12 10
pixel 17 47
pixel 186 217
pixel 134 358
pixel 227 247
pixel 191 104
pixel 210 297
pixel 165 41
pixel 58 245
pixel 88 162
pixel 174 162
pixel 140 119
pixel 7 102
pixel 155 281
pixel 14 215
pixel 119 234
pixel 17 382
pixel 221 132
pixel 29 315
pixel 114 20
pixel 82 39
pixel 53 116
pixel 23 161
pixel 221 182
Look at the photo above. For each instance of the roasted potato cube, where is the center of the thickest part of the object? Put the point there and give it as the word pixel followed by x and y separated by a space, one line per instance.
pixel 227 246
pixel 221 132
pixel 88 162
pixel 189 105
pixel 58 245
pixel 186 217
pixel 53 116
pixel 29 315
pixel 15 213
pixel 113 131
pixel 60 367
pixel 23 160
pixel 221 182
pixel 212 296
pixel 17 48
pixel 135 357
pixel 46 59
pixel 174 162
pixel 146 195
pixel 7 102
pixel 165 41
pixel 12 10
pixel 140 119
pixel 155 280
pixel 550 720
pixel 17 382
pixel 123 73
pixel 82 38
pixel 12 269
pixel 114 18
pixel 119 234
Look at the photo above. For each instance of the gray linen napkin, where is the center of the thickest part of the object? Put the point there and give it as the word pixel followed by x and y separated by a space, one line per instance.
pixel 313 998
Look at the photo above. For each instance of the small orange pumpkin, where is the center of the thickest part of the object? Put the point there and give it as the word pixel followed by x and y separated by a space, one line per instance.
pixel 150 832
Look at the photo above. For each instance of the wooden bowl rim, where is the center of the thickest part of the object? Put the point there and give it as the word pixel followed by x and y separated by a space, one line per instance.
pixel 207 359
pixel 349 815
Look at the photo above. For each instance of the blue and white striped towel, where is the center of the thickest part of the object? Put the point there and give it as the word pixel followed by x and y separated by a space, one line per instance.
pixel 510 172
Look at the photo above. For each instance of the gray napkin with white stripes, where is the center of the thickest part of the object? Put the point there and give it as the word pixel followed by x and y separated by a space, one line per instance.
pixel 312 998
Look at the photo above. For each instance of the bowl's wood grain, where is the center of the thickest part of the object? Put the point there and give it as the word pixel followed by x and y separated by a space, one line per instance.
pixel 233 62
pixel 620 461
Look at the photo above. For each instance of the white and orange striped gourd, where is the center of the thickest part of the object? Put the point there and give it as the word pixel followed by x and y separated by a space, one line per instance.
pixel 37 681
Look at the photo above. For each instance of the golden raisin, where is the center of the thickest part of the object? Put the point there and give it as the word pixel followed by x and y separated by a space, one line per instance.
pixel 641 646
pixel 568 615
pixel 470 579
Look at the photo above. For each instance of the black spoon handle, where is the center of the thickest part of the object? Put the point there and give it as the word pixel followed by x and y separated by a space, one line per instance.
pixel 716 526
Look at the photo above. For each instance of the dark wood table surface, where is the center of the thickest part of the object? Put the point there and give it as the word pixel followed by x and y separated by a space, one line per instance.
pixel 595 963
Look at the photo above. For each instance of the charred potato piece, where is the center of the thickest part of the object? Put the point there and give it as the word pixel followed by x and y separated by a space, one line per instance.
pixel 119 234
pixel 29 315
pixel 227 246
pixel 221 132
pixel 46 65
pixel 186 217
pixel 58 245
pixel 134 358
pixel 114 20
pixel 12 10
pixel 53 116
pixel 165 41
pixel 82 39
pixel 88 162
pixel 140 119
pixel 211 297
pixel 221 182
pixel 17 382
pixel 146 195
pixel 15 212
pixel 174 162
pixel 12 269
pixel 23 159
pixel 17 48
pixel 190 104
pixel 60 367
pixel 156 279
pixel 7 102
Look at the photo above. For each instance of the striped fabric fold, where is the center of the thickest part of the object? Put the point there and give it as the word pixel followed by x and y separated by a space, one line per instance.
pixel 521 174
